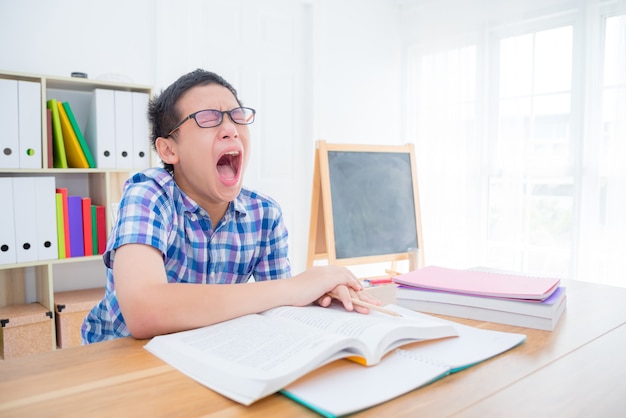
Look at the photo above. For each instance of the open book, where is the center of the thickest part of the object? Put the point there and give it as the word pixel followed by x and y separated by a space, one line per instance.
pixel 401 371
pixel 253 356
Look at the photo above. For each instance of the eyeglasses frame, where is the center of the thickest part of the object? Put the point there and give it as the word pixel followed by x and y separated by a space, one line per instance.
pixel 223 112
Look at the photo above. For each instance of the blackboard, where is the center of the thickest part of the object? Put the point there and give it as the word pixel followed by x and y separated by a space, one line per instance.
pixel 369 208
pixel 372 203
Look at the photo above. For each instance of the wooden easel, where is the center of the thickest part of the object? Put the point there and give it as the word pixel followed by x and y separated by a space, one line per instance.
pixel 322 228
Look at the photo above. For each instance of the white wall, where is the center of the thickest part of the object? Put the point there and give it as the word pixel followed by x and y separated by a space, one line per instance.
pixel 108 40
pixel 432 22
pixel 352 72
pixel 357 72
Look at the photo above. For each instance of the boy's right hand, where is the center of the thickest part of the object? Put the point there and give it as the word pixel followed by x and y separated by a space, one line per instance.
pixel 315 283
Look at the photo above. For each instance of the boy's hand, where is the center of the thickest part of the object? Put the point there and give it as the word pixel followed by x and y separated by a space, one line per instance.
pixel 346 296
pixel 314 284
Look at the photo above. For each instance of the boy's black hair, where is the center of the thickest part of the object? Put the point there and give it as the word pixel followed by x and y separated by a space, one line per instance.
pixel 163 113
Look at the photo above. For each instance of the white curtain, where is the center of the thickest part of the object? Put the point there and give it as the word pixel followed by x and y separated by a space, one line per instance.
pixel 518 113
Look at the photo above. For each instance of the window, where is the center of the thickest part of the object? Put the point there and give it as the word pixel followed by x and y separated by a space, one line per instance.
pixel 446 150
pixel 603 178
pixel 531 181
pixel 520 134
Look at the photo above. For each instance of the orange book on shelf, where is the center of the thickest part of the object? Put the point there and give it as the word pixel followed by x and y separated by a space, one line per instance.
pixel 75 156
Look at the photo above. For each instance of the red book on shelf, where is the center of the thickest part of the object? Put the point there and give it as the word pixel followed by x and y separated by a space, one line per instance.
pixel 66 221
pixel 87 226
pixel 102 229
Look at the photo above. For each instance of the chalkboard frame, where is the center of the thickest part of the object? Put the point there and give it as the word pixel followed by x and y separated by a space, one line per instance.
pixel 322 233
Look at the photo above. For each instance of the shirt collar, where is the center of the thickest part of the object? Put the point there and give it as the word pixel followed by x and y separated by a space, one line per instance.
pixel 236 205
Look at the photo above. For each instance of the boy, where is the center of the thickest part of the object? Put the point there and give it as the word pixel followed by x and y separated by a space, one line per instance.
pixel 192 222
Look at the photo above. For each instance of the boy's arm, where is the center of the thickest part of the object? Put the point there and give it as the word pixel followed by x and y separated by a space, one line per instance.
pixel 152 306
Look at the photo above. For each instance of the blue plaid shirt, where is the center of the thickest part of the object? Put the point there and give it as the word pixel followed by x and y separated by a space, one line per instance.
pixel 250 241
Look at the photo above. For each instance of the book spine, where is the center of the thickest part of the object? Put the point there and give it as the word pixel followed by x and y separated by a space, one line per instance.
pixel 79 135
pixel 66 223
pixel 87 226
pixel 60 225
pixel 49 138
pixel 102 229
pixel 94 230
pixel 75 215
pixel 75 156
pixel 60 159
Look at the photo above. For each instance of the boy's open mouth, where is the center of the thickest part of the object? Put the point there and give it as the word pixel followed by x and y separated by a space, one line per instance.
pixel 228 165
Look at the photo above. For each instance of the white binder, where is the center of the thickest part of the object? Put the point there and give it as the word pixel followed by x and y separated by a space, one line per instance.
pixel 7 225
pixel 141 133
pixel 9 140
pixel 25 216
pixel 29 123
pixel 100 131
pixel 45 204
pixel 124 129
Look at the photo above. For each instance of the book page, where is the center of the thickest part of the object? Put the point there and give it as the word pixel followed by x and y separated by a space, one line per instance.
pixel 403 370
pixel 324 390
pixel 471 347
pixel 248 357
pixel 379 332
pixel 255 346
pixel 252 356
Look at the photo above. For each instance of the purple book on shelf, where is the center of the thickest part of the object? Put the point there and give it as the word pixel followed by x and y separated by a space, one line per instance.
pixel 75 217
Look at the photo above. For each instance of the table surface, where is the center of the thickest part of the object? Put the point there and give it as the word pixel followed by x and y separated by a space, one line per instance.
pixel 579 369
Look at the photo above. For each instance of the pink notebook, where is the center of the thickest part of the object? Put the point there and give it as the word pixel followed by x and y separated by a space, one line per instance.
pixel 480 283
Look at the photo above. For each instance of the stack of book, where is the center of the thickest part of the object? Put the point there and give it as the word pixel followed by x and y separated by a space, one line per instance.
pixel 65 138
pixel 81 225
pixel 531 302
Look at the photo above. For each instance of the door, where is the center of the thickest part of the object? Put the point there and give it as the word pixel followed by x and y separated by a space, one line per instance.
pixel 263 49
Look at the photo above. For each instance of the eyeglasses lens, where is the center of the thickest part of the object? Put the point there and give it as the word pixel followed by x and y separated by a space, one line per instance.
pixel 242 115
pixel 210 118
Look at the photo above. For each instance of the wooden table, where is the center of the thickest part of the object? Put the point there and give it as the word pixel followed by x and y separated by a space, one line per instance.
pixel 579 369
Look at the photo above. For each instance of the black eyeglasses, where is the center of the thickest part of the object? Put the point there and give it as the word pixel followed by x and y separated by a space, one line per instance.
pixel 210 118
